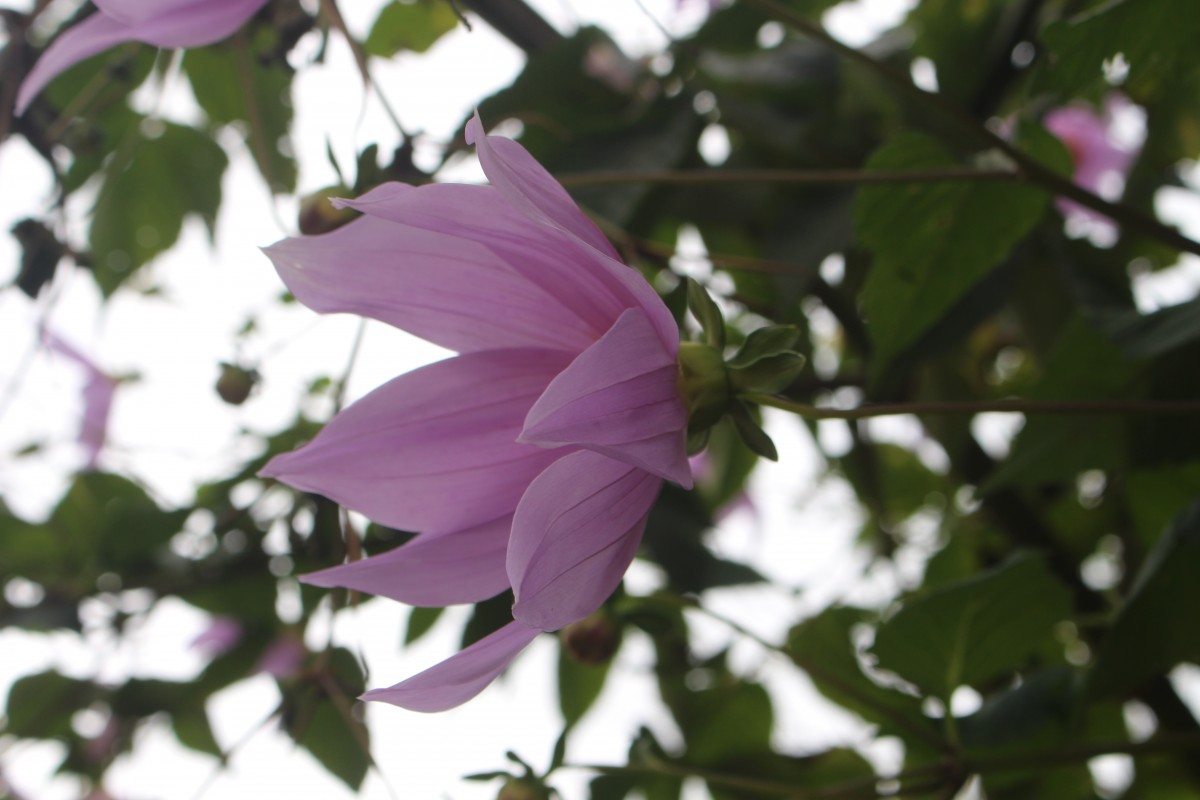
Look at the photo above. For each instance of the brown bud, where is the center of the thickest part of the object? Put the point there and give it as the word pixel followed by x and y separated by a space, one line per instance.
pixel 523 789
pixel 591 640
pixel 235 383
pixel 317 212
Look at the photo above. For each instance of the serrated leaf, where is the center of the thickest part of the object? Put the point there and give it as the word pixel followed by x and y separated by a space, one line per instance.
pixel 967 633
pixel 413 26
pixel 146 196
pixel 932 242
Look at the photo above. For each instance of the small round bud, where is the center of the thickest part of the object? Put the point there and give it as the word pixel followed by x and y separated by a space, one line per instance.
pixel 523 789
pixel 318 214
pixel 591 640
pixel 235 383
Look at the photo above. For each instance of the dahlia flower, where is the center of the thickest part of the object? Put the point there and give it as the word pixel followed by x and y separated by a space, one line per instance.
pixel 162 23
pixel 531 459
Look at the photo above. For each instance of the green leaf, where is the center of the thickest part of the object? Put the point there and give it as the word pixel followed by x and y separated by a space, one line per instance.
pixel 707 313
pixel 40 706
pixel 975 630
pixel 768 375
pixel 1156 628
pixel 579 685
pixel 770 340
pixel 147 193
pixel 319 717
pixel 932 242
pixel 419 622
pixel 233 83
pixel 822 646
pixel 193 729
pixel 751 432
pixel 488 617
pixel 409 25
pixel 1148 335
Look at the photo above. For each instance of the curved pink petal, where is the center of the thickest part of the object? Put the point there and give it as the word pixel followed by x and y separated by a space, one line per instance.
pixel 460 677
pixel 574 534
pixel 448 290
pixel 173 24
pixel 433 450
pixel 587 289
pixel 530 188
pixel 460 567
pixel 98 394
pixel 620 397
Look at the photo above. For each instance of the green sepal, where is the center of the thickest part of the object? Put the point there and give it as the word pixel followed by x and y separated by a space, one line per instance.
pixel 765 342
pixel 697 441
pixel 706 312
pixel 751 432
pixel 768 375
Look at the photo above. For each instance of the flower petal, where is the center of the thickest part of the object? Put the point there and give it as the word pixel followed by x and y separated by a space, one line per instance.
pixel 434 450
pixel 461 567
pixel 447 290
pixel 574 534
pixel 584 290
pixel 462 676
pixel 182 25
pixel 620 398
pixel 530 188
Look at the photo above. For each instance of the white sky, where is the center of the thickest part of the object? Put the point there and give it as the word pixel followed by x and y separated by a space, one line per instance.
pixel 170 430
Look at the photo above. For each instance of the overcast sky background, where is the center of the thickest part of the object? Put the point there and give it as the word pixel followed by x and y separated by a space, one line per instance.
pixel 171 431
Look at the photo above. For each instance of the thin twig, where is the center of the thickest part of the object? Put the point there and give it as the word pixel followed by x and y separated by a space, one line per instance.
pixel 334 14
pixel 1011 406
pixel 818 177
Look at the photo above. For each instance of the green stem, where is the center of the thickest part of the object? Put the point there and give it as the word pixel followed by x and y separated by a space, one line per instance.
pixel 810 411
pixel 853 177
pixel 1029 168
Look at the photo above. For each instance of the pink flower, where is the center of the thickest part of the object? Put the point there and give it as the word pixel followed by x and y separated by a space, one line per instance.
pixel 98 394
pixel 1101 160
pixel 531 459
pixel 282 658
pixel 219 637
pixel 162 23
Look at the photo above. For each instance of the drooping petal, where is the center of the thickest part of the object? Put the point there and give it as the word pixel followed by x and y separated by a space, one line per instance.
pixel 588 286
pixel 574 534
pixel 447 290
pixel 460 677
pixel 530 188
pixel 179 25
pixel 98 392
pixel 620 398
pixel 460 567
pixel 434 450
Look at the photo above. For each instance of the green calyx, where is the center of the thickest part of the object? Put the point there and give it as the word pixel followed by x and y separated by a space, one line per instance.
pixel 704 384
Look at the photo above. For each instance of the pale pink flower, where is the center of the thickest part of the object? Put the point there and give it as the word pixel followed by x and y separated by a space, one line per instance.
pixel 532 459
pixel 282 658
pixel 98 391
pixel 1101 159
pixel 219 637
pixel 162 23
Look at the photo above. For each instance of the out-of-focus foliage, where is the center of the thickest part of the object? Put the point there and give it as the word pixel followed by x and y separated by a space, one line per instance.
pixel 1060 578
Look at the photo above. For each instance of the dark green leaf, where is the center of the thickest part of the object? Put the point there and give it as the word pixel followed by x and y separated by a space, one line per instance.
pixel 414 26
pixel 579 685
pixel 932 241
pixel 40 706
pixel 970 632
pixel 1156 629
pixel 707 313
pixel 420 621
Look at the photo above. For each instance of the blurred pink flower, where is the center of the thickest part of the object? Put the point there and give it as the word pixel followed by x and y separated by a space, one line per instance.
pixel 162 23
pixel 98 394
pixel 282 658
pixel 219 637
pixel 1101 160
pixel 532 459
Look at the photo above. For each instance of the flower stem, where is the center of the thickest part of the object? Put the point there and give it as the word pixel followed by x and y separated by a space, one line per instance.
pixel 1012 406
pixel 953 117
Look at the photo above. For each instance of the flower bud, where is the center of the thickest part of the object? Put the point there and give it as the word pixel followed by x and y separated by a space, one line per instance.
pixel 591 640
pixel 523 789
pixel 318 214
pixel 235 383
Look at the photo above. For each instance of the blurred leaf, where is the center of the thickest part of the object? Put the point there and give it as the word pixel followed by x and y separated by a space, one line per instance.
pixel 319 716
pixel 822 647
pixel 40 706
pixel 674 539
pixel 488 617
pixel 420 621
pixel 1156 628
pixel 193 729
pixel 932 241
pixel 579 685
pixel 233 83
pixel 967 633
pixel 409 25
pixel 147 192
pixel 1149 335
